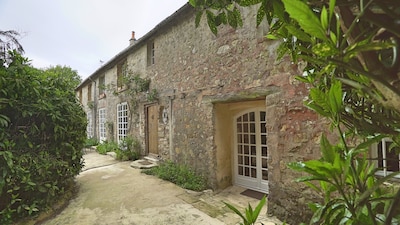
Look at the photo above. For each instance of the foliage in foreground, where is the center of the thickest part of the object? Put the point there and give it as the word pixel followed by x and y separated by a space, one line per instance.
pixel 351 49
pixel 180 175
pixel 42 130
pixel 345 176
pixel 250 216
pixel 129 149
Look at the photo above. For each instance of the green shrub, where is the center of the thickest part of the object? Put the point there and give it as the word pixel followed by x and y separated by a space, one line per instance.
pixel 91 142
pixel 180 175
pixel 129 149
pixel 107 146
pixel 42 133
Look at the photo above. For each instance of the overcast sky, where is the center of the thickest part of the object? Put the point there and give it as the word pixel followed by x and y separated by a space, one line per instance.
pixel 80 33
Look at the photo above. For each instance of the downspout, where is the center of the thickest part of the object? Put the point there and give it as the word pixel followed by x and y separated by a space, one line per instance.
pixel 171 119
pixel 94 110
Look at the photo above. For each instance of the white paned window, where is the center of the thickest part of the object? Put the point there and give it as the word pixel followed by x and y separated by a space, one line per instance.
pixel 386 159
pixel 102 125
pixel 122 121
pixel 89 127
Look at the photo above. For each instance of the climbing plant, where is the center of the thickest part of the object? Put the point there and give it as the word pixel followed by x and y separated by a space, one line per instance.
pixel 133 86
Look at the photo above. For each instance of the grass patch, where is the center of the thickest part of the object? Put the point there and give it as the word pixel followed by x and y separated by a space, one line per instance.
pixel 180 175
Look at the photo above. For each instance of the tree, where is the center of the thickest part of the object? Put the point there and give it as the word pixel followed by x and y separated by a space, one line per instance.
pixel 70 77
pixel 9 42
pixel 351 48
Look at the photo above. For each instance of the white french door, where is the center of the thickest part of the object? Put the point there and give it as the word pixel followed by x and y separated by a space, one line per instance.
pixel 251 153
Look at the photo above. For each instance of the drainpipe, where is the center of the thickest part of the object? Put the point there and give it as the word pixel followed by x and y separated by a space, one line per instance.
pixel 171 144
pixel 94 110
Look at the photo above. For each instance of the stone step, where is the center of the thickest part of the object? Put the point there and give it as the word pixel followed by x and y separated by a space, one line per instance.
pixel 143 164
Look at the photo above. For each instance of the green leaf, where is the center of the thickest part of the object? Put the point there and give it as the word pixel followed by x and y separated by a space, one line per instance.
pixel 300 34
pixel 231 207
pixel 238 16
pixel 211 22
pixel 198 18
pixel 232 19
pixel 258 208
pixel 307 20
pixel 335 97
pixel 192 3
pixel 260 15
pixel 324 18
pixel 332 4
pixel 327 150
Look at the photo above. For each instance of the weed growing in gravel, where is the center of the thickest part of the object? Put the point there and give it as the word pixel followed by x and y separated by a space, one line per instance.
pixel 180 175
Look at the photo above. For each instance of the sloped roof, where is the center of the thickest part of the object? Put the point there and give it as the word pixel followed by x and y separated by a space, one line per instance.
pixel 165 24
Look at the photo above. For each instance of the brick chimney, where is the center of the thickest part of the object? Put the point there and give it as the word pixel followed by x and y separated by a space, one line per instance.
pixel 133 39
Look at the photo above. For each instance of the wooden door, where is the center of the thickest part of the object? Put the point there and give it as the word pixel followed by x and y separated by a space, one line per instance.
pixel 152 129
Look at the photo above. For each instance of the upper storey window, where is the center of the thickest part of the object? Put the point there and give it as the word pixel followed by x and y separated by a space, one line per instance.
pixel 121 71
pixel 102 86
pixel 89 93
pixel 150 53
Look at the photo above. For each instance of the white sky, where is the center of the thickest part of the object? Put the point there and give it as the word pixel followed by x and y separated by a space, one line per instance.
pixel 80 33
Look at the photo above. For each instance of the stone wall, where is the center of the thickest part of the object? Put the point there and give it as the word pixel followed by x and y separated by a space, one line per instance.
pixel 203 81
pixel 294 135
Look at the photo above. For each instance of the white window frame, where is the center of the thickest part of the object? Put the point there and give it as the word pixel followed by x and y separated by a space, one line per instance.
pixel 89 127
pixel 384 170
pixel 102 125
pixel 122 121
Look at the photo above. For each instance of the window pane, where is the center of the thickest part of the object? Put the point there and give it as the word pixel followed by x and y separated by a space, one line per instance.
pixel 265 174
pixel 240 170
pixel 263 128
pixel 240 160
pixel 247 171
pixel 252 127
pixel 245 117
pixel 252 139
pixel 246 160
pixel 239 127
pixel 246 149
pixel 253 161
pixel 252 116
pixel 245 128
pixel 263 139
pixel 253 173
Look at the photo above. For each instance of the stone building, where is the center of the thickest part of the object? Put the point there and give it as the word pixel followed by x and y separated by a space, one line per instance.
pixel 224 105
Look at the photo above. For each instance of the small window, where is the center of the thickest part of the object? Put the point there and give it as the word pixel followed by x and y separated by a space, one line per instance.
pixel 150 53
pixel 102 86
pixel 386 159
pixel 122 121
pixel 80 95
pixel 89 93
pixel 121 72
